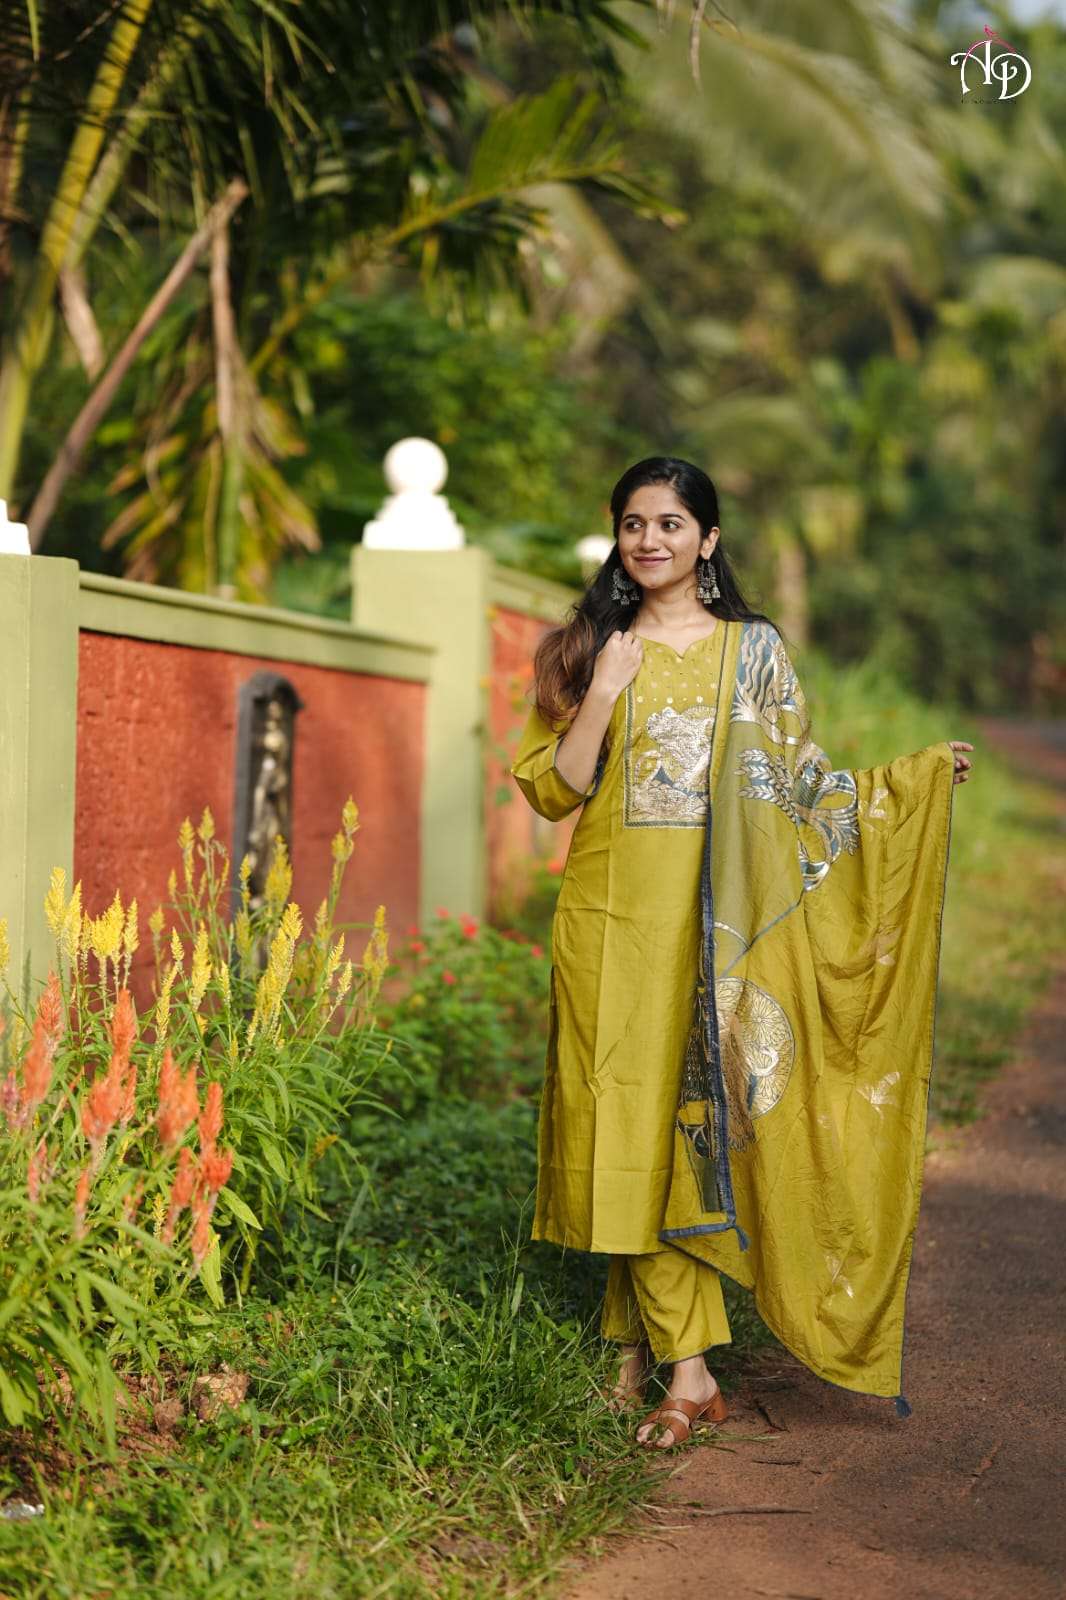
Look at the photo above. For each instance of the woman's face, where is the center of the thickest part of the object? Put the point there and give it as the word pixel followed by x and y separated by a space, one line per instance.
pixel 659 539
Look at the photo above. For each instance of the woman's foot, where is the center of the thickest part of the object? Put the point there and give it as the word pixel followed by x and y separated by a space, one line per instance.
pixel 632 1374
pixel 692 1382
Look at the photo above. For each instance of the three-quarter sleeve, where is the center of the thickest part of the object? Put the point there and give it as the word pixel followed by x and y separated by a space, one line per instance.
pixel 550 794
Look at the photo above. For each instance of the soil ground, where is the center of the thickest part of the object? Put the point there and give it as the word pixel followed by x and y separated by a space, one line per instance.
pixel 965 1497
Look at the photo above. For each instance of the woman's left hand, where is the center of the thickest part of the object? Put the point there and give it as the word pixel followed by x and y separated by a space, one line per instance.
pixel 962 765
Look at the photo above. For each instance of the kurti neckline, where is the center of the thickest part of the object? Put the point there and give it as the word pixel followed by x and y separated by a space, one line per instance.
pixel 681 654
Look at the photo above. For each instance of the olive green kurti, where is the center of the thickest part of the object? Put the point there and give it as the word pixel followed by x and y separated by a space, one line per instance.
pixel 625 947
pixel 744 966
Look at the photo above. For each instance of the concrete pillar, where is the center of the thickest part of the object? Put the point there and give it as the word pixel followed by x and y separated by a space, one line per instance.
pixel 38 740
pixel 441 598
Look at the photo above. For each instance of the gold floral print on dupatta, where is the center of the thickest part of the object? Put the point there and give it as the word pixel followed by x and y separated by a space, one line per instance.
pixel 757 1053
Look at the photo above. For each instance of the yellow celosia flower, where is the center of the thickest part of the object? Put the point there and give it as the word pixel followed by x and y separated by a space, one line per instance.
pixel 177 949
pixel 155 922
pixel 292 921
pixel 162 1005
pixel 5 945
pixel 106 937
pixel 172 883
pixel 159 1212
pixel 341 848
pixel 242 933
pixel 200 973
pixel 222 974
pixel 130 939
pixel 245 874
pixel 278 884
pixel 350 816
pixel 55 901
pixel 334 960
pixel 375 955
pixel 345 981
pixel 206 830
pixel 71 934
pixel 186 840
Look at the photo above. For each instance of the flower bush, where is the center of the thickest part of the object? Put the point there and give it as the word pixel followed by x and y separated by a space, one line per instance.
pixel 116 1187
pixel 470 1018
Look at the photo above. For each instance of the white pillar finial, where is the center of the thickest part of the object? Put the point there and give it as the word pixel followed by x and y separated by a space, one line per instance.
pixel 416 516
pixel 14 536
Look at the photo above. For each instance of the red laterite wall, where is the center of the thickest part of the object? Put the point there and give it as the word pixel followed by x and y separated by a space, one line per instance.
pixel 156 743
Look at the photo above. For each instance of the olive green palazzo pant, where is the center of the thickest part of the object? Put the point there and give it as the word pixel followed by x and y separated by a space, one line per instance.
pixel 668 1298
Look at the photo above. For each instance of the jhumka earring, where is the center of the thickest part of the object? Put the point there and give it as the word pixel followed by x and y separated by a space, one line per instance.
pixel 624 591
pixel 706 581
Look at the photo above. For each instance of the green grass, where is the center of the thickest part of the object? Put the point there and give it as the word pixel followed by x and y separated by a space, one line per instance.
pixel 420 1417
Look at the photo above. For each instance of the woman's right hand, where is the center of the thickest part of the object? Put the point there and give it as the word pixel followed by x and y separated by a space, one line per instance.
pixel 617 664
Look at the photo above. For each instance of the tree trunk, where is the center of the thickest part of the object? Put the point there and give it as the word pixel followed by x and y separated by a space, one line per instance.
pixel 28 341
pixel 94 409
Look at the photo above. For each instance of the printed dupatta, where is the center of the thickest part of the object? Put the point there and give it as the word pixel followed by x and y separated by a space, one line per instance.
pixel 800 1133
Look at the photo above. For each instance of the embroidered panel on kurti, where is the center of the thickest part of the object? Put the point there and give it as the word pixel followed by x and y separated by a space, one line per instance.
pixel 669 725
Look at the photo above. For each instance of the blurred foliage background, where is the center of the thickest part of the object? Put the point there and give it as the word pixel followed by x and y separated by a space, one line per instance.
pixel 555 237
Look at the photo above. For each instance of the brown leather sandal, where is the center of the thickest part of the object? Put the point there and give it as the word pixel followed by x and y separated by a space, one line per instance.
pixel 692 1415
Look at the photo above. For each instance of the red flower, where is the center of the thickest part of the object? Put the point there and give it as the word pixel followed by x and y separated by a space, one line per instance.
pixel 536 950
pixel 413 931
pixel 416 947
pixel 555 865
pixel 468 927
pixel 443 912
pixel 448 977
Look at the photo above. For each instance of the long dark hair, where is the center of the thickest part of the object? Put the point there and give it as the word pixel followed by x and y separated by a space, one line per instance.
pixel 567 654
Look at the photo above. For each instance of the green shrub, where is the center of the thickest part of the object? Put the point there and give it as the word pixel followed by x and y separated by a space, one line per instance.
pixel 471 1018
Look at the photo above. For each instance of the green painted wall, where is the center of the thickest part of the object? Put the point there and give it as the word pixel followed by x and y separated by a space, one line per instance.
pixel 38 736
pixel 441 597
pixel 200 622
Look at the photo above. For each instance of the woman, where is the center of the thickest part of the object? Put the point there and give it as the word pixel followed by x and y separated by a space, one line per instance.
pixel 744 966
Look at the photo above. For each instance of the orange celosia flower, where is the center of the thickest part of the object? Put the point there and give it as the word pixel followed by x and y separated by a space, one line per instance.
pixel 81 1201
pixel 200 1241
pixel 210 1121
pixel 181 1191
pixel 216 1166
pixel 50 1010
pixel 123 1024
pixel 129 1094
pixel 178 1101
pixel 36 1068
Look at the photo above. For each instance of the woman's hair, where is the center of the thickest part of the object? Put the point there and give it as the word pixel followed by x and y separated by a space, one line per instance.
pixel 567 654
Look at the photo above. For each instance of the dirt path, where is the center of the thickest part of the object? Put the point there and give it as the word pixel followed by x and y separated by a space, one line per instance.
pixel 964 1498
